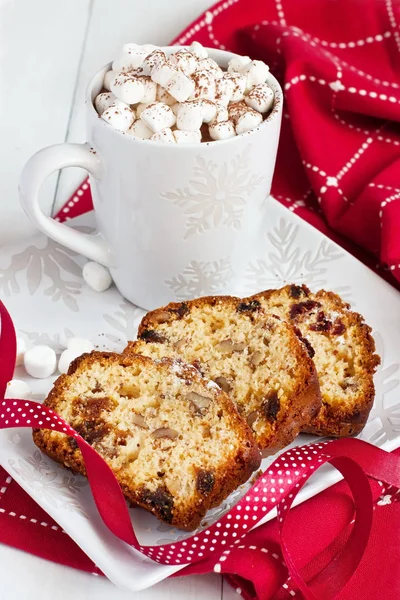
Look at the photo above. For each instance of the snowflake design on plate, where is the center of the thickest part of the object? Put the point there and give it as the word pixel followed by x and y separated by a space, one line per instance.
pixel 40 263
pixel 217 194
pixel 200 278
pixel 57 341
pixel 125 321
pixel 288 263
pixel 59 489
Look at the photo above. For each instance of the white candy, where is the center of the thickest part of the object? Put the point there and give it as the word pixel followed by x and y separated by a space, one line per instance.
pixel 222 130
pixel 208 64
pixel 163 96
pixel 209 110
pixel 128 88
pixel 66 359
pixel 204 86
pixel 40 362
pixel 180 86
pixel 153 60
pixel 119 115
pixel 221 114
pixel 21 349
pixel 238 83
pixel 17 389
pixel 80 344
pixel 150 90
pixel 96 276
pixel 187 137
pixel 158 116
pixel 185 60
pixel 248 120
pixel 163 73
pixel 189 116
pixel 238 64
pixel 165 135
pixel 260 97
pixel 104 101
pixel 130 58
pixel 198 50
pixel 140 130
pixel 108 78
pixel 257 72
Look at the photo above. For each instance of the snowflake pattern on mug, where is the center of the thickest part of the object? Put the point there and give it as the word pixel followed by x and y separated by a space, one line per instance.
pixel 200 277
pixel 216 195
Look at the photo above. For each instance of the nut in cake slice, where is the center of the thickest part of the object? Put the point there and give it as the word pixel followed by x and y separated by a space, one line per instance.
pixel 256 358
pixel 174 440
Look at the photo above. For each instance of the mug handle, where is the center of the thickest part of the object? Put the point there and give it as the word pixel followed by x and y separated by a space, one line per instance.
pixel 36 170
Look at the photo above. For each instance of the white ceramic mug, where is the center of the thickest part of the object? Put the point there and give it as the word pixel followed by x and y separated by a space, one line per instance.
pixel 174 221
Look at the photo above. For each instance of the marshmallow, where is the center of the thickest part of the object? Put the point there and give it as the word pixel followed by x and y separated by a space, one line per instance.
pixel 140 130
pixel 21 349
pixel 18 389
pixel 163 73
pixel 40 362
pixel 221 114
pixel 209 110
pixel 248 120
pixel 128 88
pixel 150 90
pixel 185 60
pixel 260 97
pixel 187 137
pixel 140 108
pixel 119 116
pixel 189 116
pixel 224 89
pixel 174 107
pixel 238 82
pixel 180 86
pixel 221 130
pixel 104 101
pixel 198 50
pixel 158 116
pixel 108 78
pixel 148 48
pixel 66 359
pixel 204 84
pixel 236 109
pixel 80 344
pixel 96 276
pixel 130 58
pixel 257 72
pixel 208 64
pixel 153 60
pixel 164 135
pixel 238 64
pixel 163 96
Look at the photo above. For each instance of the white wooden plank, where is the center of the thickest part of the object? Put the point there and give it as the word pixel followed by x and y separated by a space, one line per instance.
pixel 40 45
pixel 229 592
pixel 113 24
pixel 26 576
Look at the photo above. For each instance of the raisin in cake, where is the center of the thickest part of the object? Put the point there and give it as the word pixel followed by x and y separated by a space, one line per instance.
pixel 256 358
pixel 343 351
pixel 173 439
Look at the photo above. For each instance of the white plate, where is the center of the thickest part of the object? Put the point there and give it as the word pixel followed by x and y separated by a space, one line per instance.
pixel 42 287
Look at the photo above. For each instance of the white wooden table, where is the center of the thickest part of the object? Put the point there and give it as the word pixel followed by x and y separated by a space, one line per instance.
pixel 48 52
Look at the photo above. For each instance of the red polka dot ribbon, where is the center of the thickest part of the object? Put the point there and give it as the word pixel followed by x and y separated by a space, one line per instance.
pixel 277 487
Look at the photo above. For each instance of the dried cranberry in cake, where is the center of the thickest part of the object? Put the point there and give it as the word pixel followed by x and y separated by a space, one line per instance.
pixel 152 336
pixel 343 351
pixel 248 354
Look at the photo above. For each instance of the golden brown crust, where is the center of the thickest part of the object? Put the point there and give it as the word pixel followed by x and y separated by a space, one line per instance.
pixel 332 330
pixel 213 485
pixel 303 402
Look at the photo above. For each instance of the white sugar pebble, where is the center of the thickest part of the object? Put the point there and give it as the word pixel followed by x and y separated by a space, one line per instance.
pixel 198 50
pixel 165 136
pixel 66 359
pixel 96 276
pixel 180 86
pixel 104 101
pixel 158 116
pixel 40 361
pixel 257 72
pixel 128 88
pixel 119 115
pixel 80 345
pixel 17 389
pixel 108 77
pixel 21 349
pixel 237 64
pixel 187 137
pixel 248 120
pixel 221 130
pixel 140 130
pixel 189 116
pixel 260 98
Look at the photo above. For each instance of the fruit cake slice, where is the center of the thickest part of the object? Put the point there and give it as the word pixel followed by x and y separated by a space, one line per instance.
pixel 174 440
pixel 343 351
pixel 256 358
